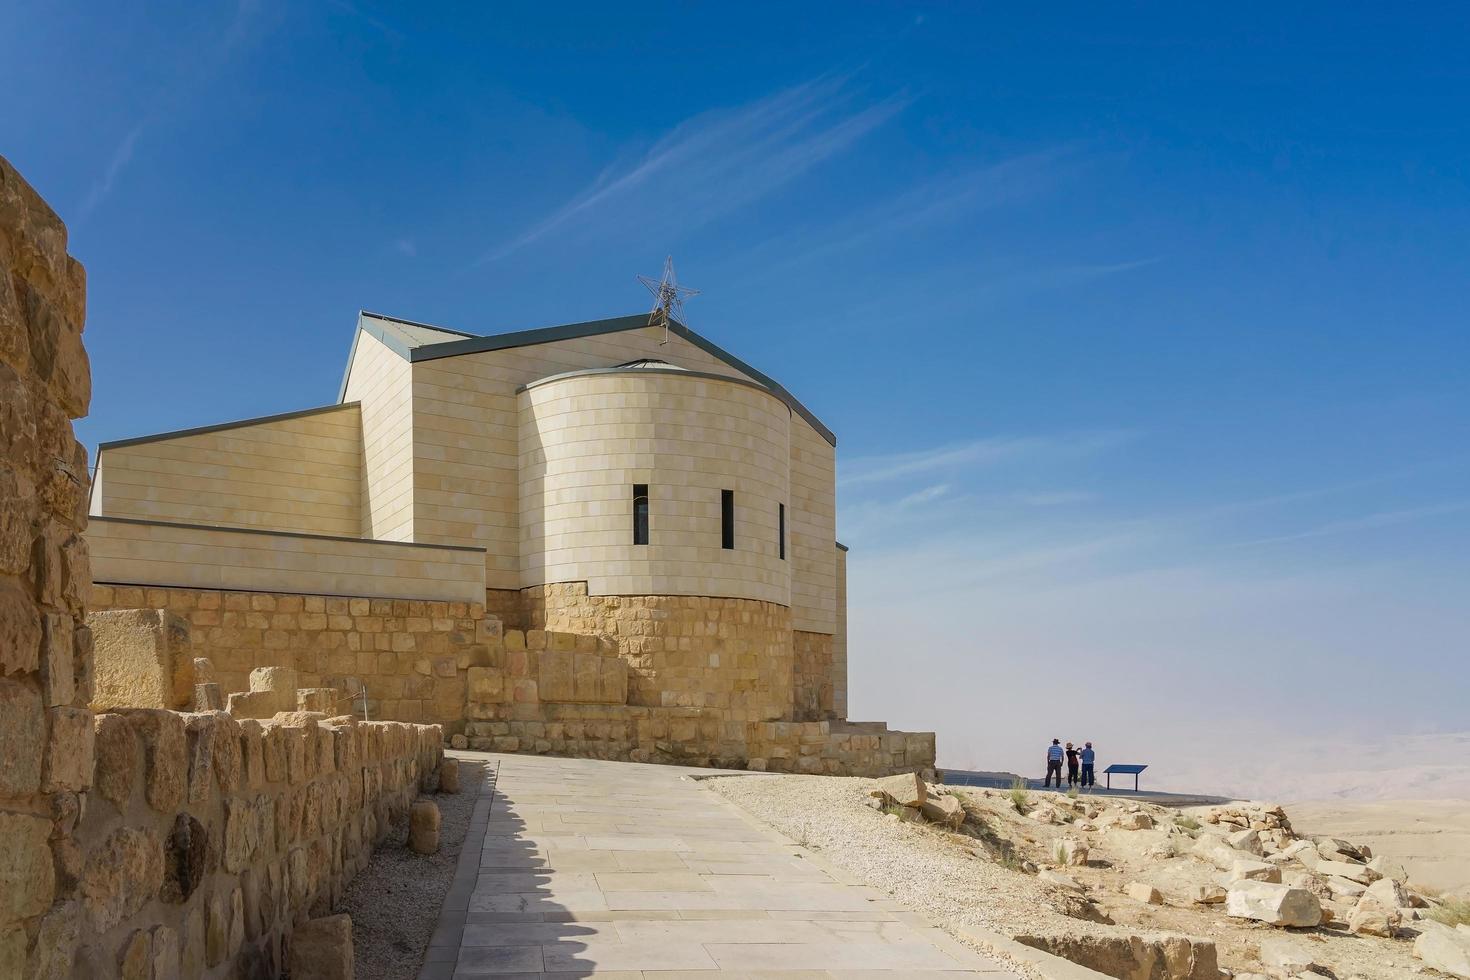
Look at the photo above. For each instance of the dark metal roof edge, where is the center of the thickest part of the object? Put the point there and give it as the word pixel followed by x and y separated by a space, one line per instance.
pixel 592 328
pixel 661 372
pixel 528 338
pixel 417 323
pixel 843 546
pixel 219 427
pixel 283 534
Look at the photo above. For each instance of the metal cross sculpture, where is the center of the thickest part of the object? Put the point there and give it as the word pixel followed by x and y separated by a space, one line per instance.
pixel 668 298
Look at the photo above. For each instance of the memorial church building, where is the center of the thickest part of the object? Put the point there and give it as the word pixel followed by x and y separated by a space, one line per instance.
pixel 611 477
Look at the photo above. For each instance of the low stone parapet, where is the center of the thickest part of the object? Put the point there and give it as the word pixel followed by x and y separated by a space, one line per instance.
pixel 690 736
pixel 206 838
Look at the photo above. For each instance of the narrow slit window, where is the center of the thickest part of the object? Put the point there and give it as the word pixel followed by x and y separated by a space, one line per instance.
pixel 727 520
pixel 781 528
pixel 640 513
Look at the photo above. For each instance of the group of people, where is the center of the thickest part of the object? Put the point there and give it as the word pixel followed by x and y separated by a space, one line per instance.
pixel 1079 764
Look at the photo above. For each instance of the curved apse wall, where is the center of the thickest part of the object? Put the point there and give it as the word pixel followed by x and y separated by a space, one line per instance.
pixel 586 438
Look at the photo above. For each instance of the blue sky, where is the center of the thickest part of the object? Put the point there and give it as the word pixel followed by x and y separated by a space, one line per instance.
pixel 1143 330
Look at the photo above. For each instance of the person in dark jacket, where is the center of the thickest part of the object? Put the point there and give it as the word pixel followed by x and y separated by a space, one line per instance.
pixel 1072 761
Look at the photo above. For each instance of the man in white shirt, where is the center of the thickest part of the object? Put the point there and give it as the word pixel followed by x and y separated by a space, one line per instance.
pixel 1054 762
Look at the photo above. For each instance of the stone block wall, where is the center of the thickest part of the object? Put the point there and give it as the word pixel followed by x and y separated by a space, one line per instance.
pixel 412 655
pixel 730 655
pixel 812 677
pixel 206 840
pixel 45 647
pixel 143 660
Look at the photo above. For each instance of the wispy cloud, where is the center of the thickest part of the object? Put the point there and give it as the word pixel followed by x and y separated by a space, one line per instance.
pixel 718 161
pixel 978 452
pixel 1367 522
pixel 199 62
pixel 939 199
pixel 121 157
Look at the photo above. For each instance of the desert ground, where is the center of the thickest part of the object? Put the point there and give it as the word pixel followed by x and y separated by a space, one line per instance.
pixel 1430 838
pixel 1107 883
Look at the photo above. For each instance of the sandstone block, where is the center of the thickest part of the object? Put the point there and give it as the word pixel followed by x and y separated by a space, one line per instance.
pixel 208 697
pixel 165 754
pixel 448 776
pixel 1134 821
pixel 136 962
pixel 23 734
pixel 486 685
pixel 165 953
pixel 58 659
pixel 121 877
pixel 20 623
pixel 1360 873
pixel 56 943
pixel 141 659
pixel 1273 904
pixel 1207 895
pixel 423 827
pixel 1142 891
pixel 1285 957
pixel 323 699
pixel 905 789
pixel 945 810
pixel 322 949
pixel 1255 871
pixel 116 753
pixel 186 859
pixel 1444 949
pixel 69 751
pixel 1073 853
pixel 1246 840
pixel 1061 880
pixel 27 877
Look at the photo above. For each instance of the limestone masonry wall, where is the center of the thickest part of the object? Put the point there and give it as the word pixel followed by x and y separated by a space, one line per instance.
pixel 142 843
pixel 732 655
pixel 411 654
pixel 812 673
pixel 207 838
pixel 45 647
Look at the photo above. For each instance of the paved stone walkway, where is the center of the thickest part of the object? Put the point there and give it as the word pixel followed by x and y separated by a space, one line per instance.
pixel 577 868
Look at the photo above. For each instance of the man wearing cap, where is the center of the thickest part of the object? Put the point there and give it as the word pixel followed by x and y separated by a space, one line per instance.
pixel 1088 758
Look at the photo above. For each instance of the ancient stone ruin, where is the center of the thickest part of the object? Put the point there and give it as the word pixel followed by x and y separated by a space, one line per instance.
pixel 138 839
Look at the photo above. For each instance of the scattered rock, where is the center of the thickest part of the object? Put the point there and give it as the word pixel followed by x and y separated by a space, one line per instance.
pixel 1444 949
pixel 423 827
pixel 1207 895
pixel 1061 881
pixel 1142 891
pixel 1285 958
pixel 1377 912
pixel 1255 871
pixel 1273 904
pixel 905 789
pixel 1246 840
pixel 945 810
pixel 322 948
pixel 1135 821
pixel 1073 853
pixel 1360 873
pixel 458 742
pixel 449 776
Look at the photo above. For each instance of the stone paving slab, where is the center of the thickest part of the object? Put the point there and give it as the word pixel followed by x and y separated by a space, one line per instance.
pixel 579 868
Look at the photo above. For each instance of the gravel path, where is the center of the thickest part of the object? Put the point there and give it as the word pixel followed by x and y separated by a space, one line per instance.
pixel 394 902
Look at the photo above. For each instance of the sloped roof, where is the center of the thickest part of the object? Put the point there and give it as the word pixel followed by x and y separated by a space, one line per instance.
pixel 425 342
